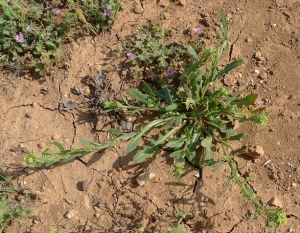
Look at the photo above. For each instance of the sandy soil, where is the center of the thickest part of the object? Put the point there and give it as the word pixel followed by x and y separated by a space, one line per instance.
pixel 265 34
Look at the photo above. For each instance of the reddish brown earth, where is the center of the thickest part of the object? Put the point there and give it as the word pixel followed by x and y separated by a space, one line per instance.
pixel 265 34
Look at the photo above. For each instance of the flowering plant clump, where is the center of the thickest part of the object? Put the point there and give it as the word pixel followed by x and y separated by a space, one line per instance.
pixel 190 119
pixel 150 53
pixel 38 35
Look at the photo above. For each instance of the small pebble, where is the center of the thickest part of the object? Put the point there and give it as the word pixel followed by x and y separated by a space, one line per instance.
pixel 248 40
pixel 138 9
pixel 41 145
pixel 28 115
pixel 55 137
pixel 35 221
pixel 144 177
pixel 294 185
pixel 86 90
pixel 70 214
pixel 253 151
pixel 275 202
pixel 291 230
pixel 182 2
pixel 257 54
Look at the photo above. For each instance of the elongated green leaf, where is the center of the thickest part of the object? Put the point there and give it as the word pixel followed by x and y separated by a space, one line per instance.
pixel 149 91
pixel 228 180
pixel 50 163
pixel 171 107
pixel 230 66
pixel 224 20
pixel 249 99
pixel 209 156
pixel 179 120
pixel 231 131
pixel 237 137
pixel 175 154
pixel 147 151
pixel 135 141
pixel 168 96
pixel 192 52
pixel 137 95
pixel 206 142
pixel 116 132
pixel 158 93
pixel 175 143
pixel 59 146
pixel 218 165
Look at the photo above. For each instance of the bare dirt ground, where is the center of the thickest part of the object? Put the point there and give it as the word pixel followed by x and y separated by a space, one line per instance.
pixel 265 34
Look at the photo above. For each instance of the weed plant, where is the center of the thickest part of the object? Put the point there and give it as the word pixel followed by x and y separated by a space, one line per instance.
pixel 33 31
pixel 10 208
pixel 148 51
pixel 195 116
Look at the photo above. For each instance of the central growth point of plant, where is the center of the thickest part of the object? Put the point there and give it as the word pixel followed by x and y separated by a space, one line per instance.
pixel 194 116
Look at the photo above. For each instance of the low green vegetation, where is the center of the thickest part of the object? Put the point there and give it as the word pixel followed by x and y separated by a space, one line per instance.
pixel 32 32
pixel 149 52
pixel 10 208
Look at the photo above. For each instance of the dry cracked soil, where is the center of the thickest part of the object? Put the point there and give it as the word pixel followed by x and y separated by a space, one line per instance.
pixel 99 193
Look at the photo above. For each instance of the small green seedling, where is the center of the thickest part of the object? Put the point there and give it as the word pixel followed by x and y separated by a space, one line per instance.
pixel 194 116
pixel 179 228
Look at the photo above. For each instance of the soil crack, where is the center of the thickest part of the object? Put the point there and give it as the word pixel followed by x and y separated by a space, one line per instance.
pixel 74 129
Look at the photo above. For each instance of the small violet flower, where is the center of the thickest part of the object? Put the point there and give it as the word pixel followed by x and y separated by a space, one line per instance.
pixel 170 71
pixel 20 38
pixel 107 12
pixel 28 28
pixel 58 11
pixel 129 54
pixel 199 31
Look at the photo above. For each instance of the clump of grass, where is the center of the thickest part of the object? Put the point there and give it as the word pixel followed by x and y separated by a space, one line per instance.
pixel 33 32
pixel 10 208
pixel 196 115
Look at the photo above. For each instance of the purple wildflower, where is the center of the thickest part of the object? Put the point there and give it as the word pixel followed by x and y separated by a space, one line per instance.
pixel 170 71
pixel 199 31
pixel 107 12
pixel 129 54
pixel 58 11
pixel 20 38
pixel 28 28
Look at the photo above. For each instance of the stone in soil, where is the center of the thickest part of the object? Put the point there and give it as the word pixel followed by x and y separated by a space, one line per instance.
pixel 274 201
pixel 144 177
pixel 253 151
